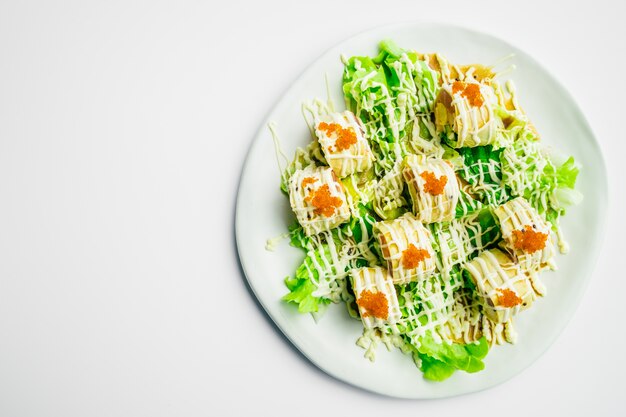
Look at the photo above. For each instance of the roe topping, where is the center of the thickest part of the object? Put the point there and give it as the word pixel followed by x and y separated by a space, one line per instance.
pixel 507 298
pixel 308 180
pixel 323 202
pixel 344 137
pixel 432 184
pixel 412 256
pixel 471 91
pixel 374 303
pixel 529 240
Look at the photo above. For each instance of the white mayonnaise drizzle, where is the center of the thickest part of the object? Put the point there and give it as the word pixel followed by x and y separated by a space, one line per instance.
pixel 278 151
pixel 270 244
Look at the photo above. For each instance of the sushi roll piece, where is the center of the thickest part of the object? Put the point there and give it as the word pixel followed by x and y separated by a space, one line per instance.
pixel 318 199
pixel 375 296
pixel 433 187
pixel 467 109
pixel 407 248
pixel 343 143
pixel 526 235
pixel 501 285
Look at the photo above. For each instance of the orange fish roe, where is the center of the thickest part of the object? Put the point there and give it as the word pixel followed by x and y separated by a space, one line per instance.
pixel 457 86
pixel 412 256
pixel 528 240
pixel 507 298
pixel 471 91
pixel 308 180
pixel 433 185
pixel 344 137
pixel 374 303
pixel 324 203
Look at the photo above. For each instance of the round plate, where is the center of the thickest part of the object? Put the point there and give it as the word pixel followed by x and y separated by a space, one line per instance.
pixel 263 212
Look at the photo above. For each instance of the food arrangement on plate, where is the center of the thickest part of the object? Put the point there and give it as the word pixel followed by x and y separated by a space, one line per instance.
pixel 430 208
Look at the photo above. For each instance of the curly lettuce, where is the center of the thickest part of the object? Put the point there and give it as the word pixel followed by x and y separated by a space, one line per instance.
pixel 529 171
pixel 439 361
pixel 386 93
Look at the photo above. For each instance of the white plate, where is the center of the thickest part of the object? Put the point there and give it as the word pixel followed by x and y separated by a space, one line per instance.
pixel 263 212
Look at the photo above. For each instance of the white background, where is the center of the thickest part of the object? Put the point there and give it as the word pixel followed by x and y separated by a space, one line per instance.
pixel 123 130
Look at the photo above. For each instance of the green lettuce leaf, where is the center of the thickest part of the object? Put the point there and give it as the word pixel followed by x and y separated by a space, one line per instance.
pixel 365 220
pixel 302 286
pixel 482 169
pixel 301 293
pixel 567 173
pixel 299 239
pixel 390 48
pixel 528 171
pixel 483 228
pixel 387 93
pixel 389 199
pixel 466 205
pixel 435 370
pixel 464 357
pixel 311 155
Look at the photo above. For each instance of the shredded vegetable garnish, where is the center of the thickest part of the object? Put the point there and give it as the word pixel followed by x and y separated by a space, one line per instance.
pixel 429 207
